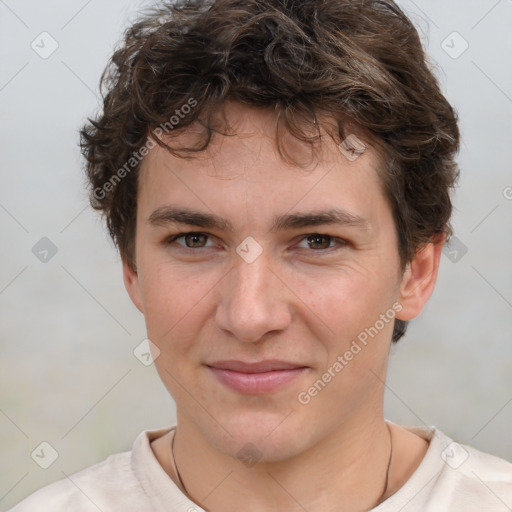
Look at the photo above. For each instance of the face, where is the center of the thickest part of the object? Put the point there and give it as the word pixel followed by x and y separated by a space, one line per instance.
pixel 243 257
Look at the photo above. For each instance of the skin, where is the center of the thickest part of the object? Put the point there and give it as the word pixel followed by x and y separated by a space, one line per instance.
pixel 298 301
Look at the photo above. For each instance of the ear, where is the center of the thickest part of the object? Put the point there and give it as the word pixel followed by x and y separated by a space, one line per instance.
pixel 419 279
pixel 131 283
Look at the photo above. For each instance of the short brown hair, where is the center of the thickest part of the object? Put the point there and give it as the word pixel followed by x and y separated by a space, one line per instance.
pixel 359 61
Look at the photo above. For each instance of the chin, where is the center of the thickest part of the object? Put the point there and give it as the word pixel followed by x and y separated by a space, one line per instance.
pixel 260 435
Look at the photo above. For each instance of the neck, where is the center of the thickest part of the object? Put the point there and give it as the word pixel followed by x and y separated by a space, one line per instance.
pixel 346 471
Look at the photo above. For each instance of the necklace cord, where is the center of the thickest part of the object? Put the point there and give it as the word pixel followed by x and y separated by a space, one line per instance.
pixel 381 498
pixel 176 465
pixel 379 501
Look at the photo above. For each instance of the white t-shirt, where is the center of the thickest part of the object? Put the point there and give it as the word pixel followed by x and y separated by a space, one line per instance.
pixel 451 477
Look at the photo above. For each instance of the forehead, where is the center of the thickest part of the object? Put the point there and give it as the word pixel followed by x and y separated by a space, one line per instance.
pixel 247 168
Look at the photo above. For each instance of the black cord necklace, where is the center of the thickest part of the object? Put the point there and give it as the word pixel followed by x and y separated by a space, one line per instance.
pixel 380 500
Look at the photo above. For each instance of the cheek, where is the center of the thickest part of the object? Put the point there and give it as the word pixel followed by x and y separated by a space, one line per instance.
pixel 345 300
pixel 350 304
pixel 178 304
pixel 167 298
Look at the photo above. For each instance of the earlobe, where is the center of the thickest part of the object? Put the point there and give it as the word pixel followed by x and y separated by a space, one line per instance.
pixel 131 283
pixel 419 279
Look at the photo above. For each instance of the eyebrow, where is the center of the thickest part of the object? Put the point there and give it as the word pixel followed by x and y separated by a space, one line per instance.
pixel 169 215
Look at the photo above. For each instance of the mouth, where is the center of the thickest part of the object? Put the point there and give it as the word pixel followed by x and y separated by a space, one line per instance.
pixel 255 378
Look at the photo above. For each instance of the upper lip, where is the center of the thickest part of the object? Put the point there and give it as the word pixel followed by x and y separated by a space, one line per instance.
pixel 259 367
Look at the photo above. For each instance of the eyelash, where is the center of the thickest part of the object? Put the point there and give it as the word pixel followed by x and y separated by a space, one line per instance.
pixel 342 243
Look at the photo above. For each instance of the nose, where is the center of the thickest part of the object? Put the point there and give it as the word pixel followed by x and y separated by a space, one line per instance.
pixel 253 301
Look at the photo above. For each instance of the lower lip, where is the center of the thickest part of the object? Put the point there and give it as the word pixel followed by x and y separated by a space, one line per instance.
pixel 256 383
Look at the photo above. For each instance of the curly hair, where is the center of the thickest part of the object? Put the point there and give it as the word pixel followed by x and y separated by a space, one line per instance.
pixel 360 62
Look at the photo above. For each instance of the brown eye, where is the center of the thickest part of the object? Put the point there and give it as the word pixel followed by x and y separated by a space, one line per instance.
pixel 319 242
pixel 195 240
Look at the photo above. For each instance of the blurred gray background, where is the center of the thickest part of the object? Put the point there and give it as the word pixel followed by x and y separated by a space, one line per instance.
pixel 69 376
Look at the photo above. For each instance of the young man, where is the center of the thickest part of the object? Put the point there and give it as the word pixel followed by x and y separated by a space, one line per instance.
pixel 277 177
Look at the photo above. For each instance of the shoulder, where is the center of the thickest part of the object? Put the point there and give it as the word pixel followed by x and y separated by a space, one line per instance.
pixel 473 480
pixel 109 485
pixel 91 489
pixel 454 477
